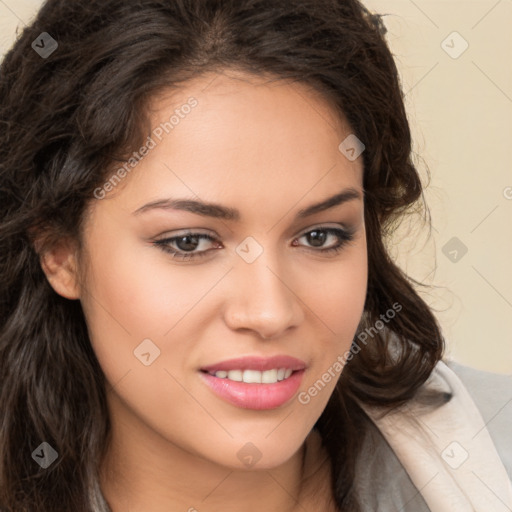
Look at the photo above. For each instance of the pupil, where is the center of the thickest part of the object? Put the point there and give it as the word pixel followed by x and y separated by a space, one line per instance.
pixel 320 238
pixel 190 246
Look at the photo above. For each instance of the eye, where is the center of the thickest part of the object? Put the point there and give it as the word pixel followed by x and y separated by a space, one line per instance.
pixel 319 235
pixel 187 243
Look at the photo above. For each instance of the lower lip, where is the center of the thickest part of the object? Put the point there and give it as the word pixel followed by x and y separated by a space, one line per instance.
pixel 255 396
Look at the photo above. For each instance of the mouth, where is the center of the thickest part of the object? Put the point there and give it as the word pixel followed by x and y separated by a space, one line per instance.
pixel 255 382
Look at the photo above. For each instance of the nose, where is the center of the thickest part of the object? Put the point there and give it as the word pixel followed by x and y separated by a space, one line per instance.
pixel 262 299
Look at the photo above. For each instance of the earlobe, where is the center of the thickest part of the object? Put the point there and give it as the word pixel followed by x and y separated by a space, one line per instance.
pixel 60 267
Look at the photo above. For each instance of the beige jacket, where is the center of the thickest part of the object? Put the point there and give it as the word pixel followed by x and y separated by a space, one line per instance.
pixel 456 458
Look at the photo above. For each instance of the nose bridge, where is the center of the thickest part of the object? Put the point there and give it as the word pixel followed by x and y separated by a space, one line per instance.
pixel 263 300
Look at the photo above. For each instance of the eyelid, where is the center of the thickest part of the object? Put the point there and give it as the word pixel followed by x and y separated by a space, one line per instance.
pixel 326 225
pixel 200 231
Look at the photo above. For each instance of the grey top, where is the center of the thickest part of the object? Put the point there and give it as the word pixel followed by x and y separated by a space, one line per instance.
pixel 385 486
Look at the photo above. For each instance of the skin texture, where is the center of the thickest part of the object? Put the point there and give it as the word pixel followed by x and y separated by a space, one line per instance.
pixel 269 150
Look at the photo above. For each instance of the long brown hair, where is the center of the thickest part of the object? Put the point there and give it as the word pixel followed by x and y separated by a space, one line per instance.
pixel 67 116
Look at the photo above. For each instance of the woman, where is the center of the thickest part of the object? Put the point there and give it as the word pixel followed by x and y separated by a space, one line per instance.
pixel 198 309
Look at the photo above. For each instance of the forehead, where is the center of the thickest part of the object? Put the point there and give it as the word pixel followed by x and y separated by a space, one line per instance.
pixel 263 98
pixel 244 137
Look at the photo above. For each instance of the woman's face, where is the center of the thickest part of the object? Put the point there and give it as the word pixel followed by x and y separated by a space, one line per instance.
pixel 260 287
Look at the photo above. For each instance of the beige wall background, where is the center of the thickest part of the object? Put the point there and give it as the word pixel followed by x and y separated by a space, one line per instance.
pixel 454 61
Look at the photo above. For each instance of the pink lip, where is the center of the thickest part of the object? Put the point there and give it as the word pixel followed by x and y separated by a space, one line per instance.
pixel 255 396
pixel 257 363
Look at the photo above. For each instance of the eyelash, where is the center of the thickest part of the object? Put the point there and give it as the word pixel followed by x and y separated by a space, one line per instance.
pixel 344 237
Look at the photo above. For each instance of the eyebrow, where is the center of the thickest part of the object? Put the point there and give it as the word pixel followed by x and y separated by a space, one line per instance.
pixel 232 214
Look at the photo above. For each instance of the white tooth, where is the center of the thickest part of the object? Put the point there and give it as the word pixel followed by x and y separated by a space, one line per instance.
pixel 255 376
pixel 269 377
pixel 235 375
pixel 251 376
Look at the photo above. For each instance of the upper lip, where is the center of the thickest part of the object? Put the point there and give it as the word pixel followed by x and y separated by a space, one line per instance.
pixel 257 363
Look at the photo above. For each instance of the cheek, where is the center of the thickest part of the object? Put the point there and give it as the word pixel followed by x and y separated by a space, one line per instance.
pixel 337 305
pixel 143 291
pixel 136 294
pixel 339 295
pixel 339 299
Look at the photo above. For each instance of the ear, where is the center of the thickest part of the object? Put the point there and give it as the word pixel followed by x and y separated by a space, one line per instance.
pixel 59 264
